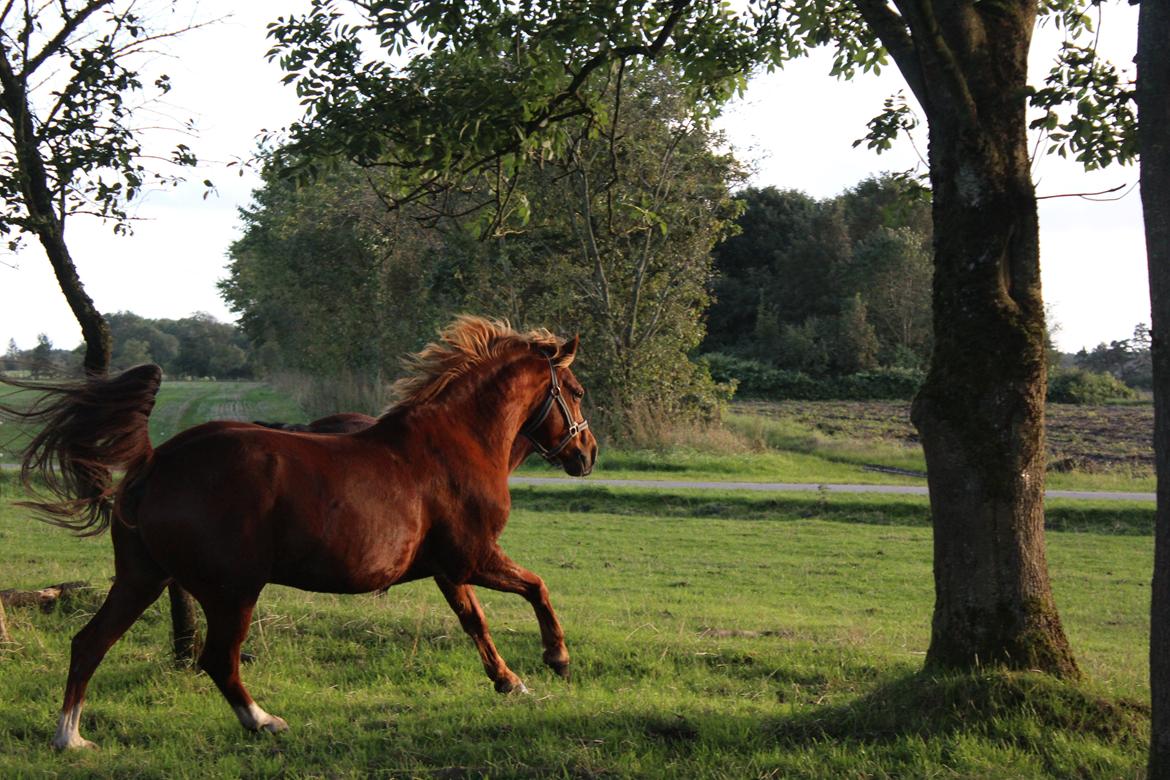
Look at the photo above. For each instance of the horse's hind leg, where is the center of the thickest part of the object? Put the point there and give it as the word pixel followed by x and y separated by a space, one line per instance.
pixel 227 626
pixel 502 574
pixel 138 582
pixel 463 601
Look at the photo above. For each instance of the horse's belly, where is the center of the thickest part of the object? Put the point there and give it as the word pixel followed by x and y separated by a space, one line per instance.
pixel 346 571
pixel 347 582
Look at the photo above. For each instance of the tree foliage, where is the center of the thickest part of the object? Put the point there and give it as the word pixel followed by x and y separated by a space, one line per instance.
pixel 1128 360
pixel 791 282
pixel 611 239
pixel 326 281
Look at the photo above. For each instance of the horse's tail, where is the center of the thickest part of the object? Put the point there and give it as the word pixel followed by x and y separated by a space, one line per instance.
pixel 87 429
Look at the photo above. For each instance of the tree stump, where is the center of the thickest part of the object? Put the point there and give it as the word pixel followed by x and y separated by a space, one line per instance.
pixel 46 598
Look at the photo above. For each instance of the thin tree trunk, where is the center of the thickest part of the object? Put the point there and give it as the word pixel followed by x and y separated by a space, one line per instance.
pixel 185 631
pixel 49 226
pixel 3 626
pixel 1153 95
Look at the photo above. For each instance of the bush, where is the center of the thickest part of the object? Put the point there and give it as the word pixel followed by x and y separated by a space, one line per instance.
pixel 757 380
pixel 1086 387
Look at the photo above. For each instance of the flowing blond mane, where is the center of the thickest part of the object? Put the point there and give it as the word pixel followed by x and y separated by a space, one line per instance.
pixel 467 342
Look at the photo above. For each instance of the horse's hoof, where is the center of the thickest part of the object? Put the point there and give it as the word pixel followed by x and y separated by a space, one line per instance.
pixel 274 725
pixel 511 686
pixel 75 744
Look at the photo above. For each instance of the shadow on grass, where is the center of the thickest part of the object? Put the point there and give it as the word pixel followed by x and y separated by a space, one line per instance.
pixel 999 705
pixel 1123 519
pixel 896 728
pixel 1059 728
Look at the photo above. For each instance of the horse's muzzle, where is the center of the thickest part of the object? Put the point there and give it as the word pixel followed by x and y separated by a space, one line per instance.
pixel 580 463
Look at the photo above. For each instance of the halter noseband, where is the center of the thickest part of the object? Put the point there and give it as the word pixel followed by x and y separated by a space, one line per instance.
pixel 541 414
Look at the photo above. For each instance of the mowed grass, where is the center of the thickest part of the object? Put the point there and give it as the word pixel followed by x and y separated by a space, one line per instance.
pixel 713 635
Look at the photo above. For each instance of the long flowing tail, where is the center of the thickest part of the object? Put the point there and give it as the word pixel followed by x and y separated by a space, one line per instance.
pixel 87 429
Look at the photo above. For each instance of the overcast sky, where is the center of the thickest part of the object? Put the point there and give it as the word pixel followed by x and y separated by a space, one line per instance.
pixel 795 128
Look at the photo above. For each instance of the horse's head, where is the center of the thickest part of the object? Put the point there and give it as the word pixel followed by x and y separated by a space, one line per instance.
pixel 557 428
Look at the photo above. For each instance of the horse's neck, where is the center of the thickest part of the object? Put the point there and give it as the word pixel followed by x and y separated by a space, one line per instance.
pixel 494 407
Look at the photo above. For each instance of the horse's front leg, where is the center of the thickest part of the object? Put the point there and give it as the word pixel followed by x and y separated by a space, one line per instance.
pixel 500 573
pixel 466 606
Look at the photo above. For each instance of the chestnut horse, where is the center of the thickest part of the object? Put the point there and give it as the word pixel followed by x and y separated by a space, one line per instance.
pixel 226 507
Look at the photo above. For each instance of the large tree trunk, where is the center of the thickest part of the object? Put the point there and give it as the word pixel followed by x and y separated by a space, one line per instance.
pixel 1154 146
pixel 980 412
pixel 981 419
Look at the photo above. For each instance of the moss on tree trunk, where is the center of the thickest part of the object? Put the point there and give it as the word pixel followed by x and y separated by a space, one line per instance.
pixel 980 412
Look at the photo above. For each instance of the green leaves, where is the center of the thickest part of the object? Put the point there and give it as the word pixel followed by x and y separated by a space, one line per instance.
pixel 72 134
pixel 453 89
pixel 1102 125
pixel 896 117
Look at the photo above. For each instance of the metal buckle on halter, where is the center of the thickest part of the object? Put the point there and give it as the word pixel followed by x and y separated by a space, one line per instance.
pixel 574 428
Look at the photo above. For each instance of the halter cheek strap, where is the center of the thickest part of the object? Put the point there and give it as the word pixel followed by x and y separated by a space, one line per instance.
pixel 555 395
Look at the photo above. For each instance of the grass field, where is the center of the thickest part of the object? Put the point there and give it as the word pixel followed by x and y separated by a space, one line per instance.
pixel 713 635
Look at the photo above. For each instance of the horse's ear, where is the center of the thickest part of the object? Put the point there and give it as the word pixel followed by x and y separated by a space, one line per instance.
pixel 567 352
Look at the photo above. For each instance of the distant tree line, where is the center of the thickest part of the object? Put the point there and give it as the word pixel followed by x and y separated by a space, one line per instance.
pixel 1109 372
pixel 1128 360
pixel 813 290
pixel 42 360
pixel 195 346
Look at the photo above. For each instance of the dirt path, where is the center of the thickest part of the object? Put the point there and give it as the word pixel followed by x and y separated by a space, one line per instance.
pixel 782 487
pixel 794 487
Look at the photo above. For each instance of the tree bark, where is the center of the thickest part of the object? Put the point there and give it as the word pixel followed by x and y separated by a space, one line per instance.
pixel 980 412
pixel 1153 97
pixel 184 628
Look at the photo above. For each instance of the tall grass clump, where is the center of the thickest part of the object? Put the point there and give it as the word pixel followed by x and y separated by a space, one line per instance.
pixel 647 429
pixel 320 396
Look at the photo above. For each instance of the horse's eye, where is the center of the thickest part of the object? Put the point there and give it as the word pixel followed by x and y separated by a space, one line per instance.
pixel 578 393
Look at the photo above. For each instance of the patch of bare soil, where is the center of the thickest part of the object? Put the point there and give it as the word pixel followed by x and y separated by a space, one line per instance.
pixel 1080 438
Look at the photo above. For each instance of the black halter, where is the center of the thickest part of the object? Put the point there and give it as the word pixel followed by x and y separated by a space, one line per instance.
pixel 541 414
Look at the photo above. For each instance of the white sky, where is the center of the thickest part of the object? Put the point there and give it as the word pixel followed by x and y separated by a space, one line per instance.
pixel 796 127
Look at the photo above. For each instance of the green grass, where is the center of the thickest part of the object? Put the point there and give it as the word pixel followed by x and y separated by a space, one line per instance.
pixel 784 450
pixel 713 635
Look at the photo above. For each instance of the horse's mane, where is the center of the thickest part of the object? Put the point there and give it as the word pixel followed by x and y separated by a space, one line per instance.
pixel 466 343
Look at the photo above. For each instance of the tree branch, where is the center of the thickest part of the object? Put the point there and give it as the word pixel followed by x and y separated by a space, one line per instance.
pixel 68 27
pixel 892 31
pixel 936 57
